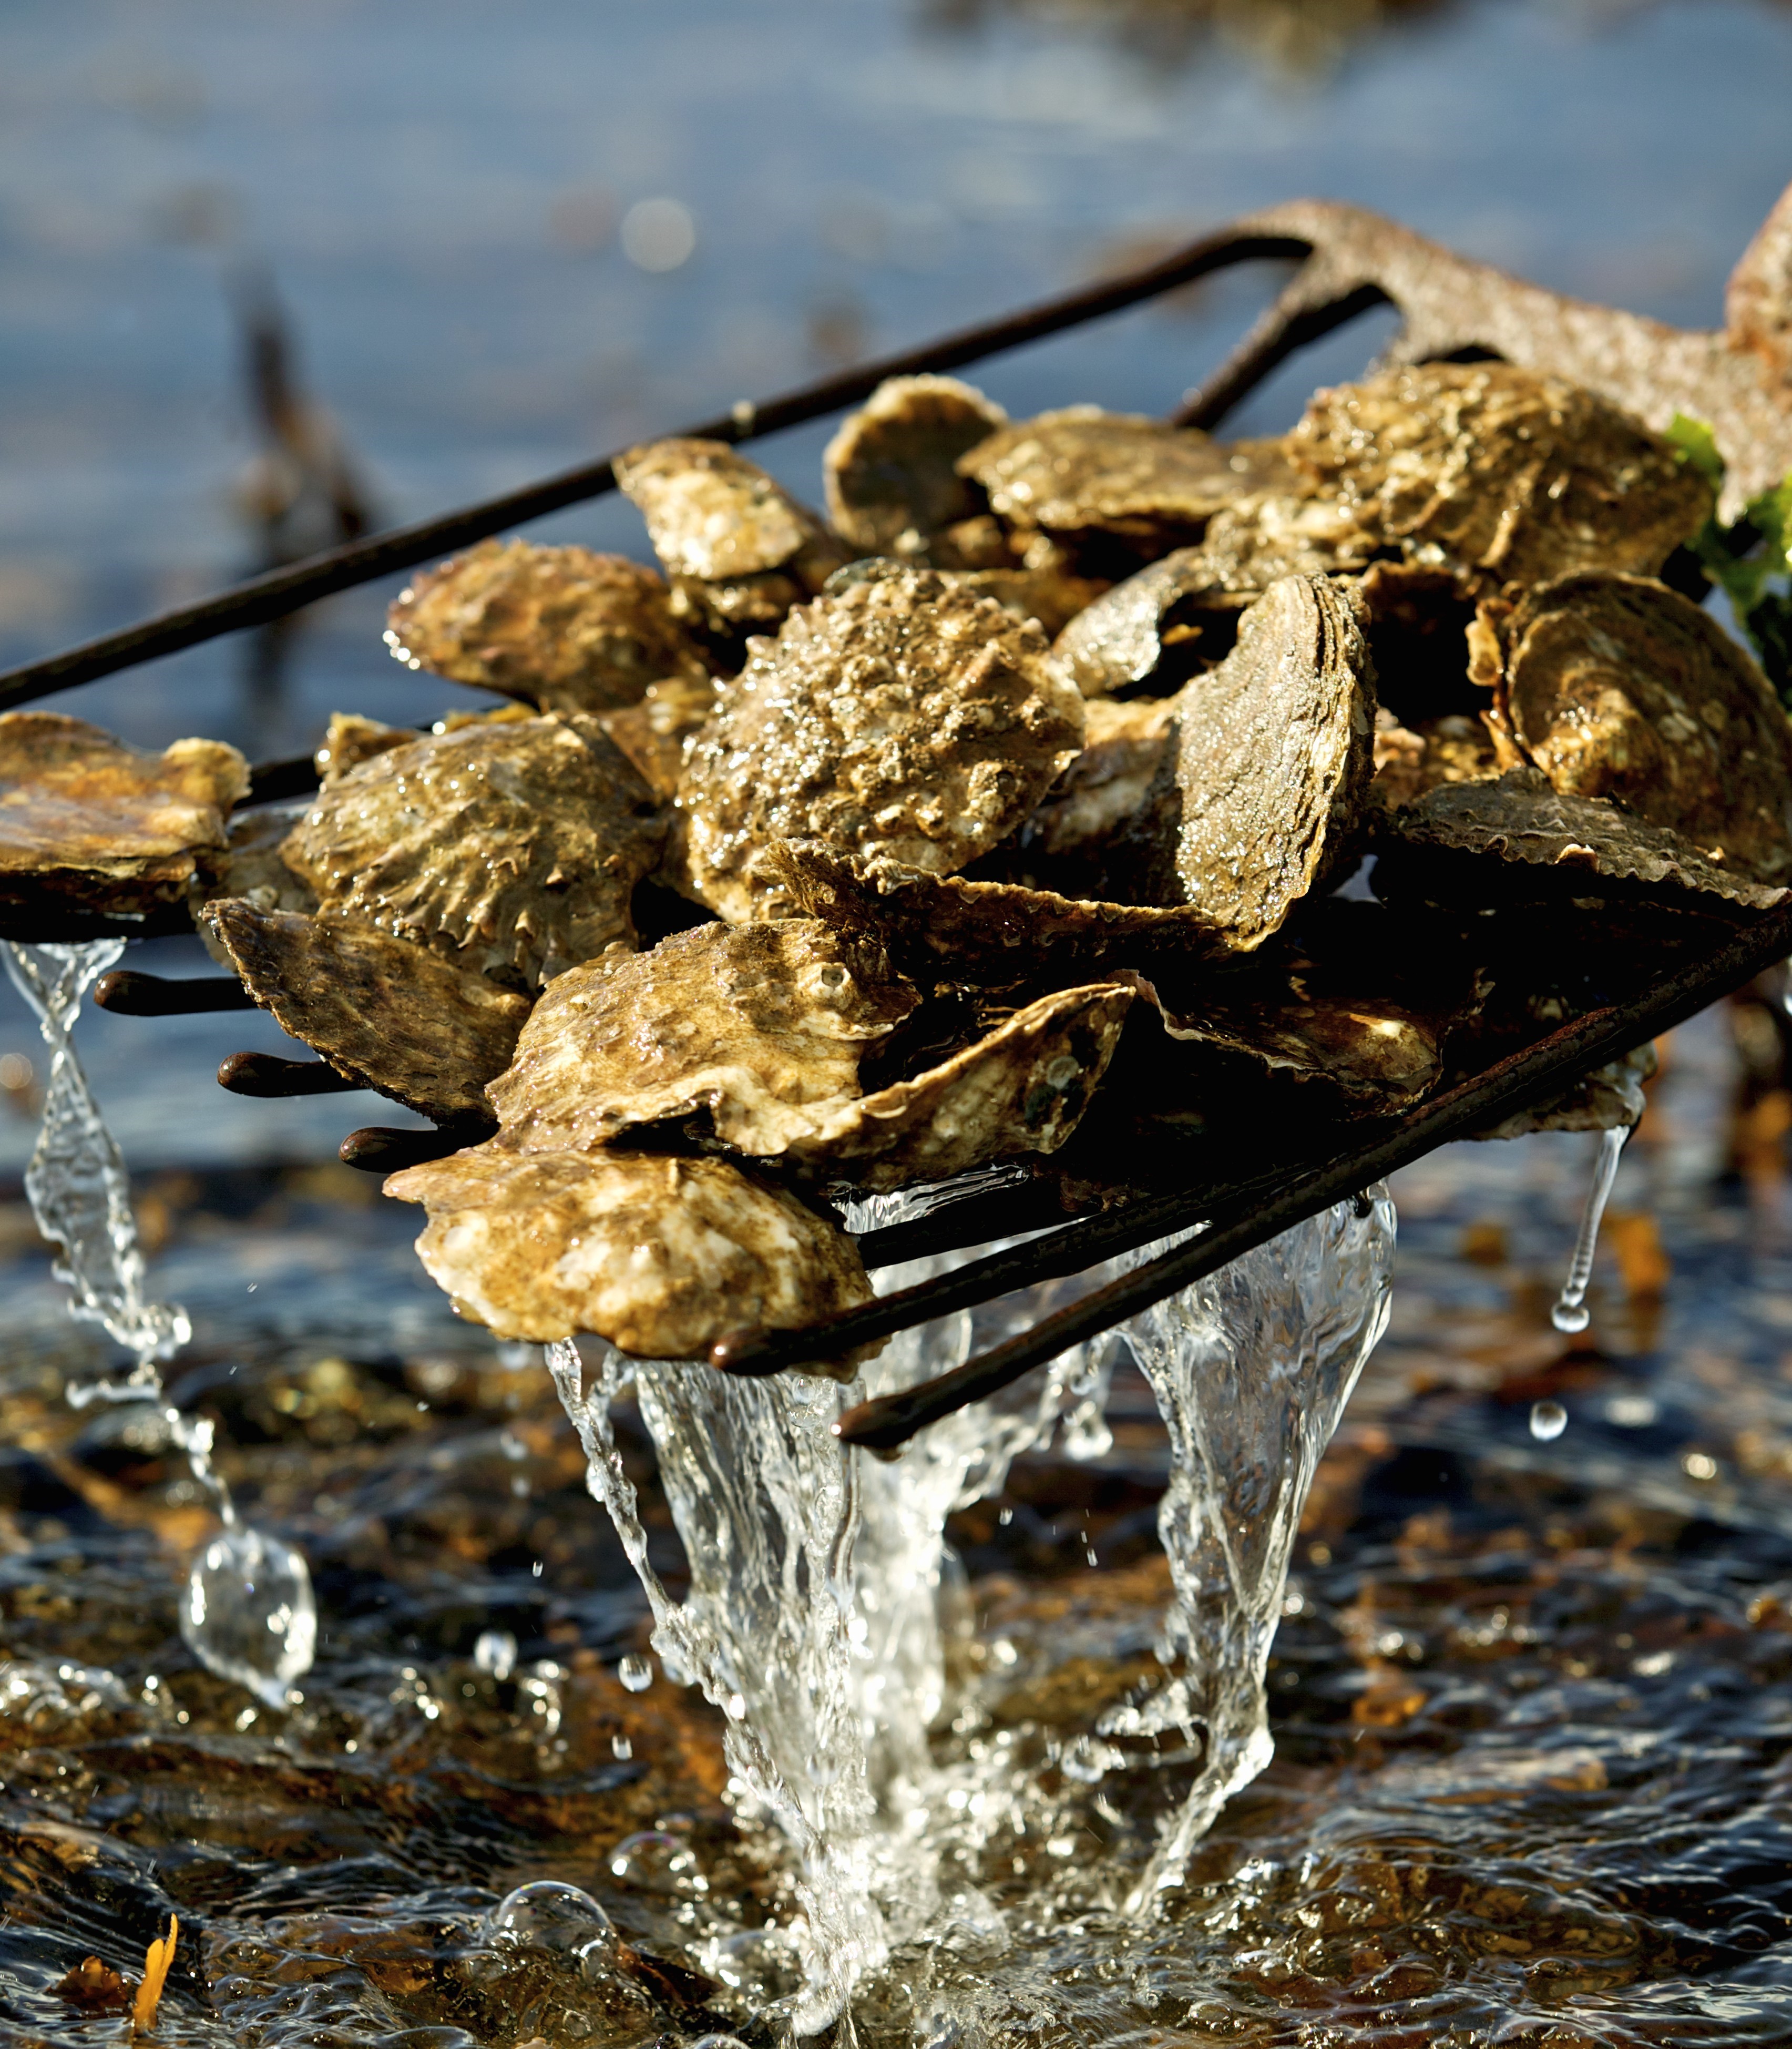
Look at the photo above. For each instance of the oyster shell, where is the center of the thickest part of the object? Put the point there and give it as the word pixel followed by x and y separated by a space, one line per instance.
pixel 1508 475
pixel 1274 760
pixel 898 717
pixel 653 733
pixel 661 1256
pixel 1608 1099
pixel 762 1026
pixel 1082 469
pixel 891 478
pixel 1520 819
pixel 249 865
pixel 1617 687
pixel 89 823
pixel 739 550
pixel 560 628
pixel 510 848
pixel 1410 760
pixel 386 1013
pixel 349 740
pixel 1083 828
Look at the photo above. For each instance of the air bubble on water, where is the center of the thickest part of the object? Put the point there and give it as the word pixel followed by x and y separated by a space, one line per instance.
pixel 1570 1314
pixel 550 1915
pixel 656 1862
pixel 249 1614
pixel 636 1672
pixel 495 1653
pixel 1547 1420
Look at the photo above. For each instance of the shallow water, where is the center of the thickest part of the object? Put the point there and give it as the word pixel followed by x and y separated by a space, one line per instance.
pixel 1531 1697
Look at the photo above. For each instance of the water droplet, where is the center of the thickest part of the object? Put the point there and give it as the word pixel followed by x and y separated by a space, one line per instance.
pixel 495 1653
pixel 248 1613
pixel 636 1672
pixel 653 1861
pixel 1547 1420
pixel 551 1915
pixel 1570 1315
pixel 621 1747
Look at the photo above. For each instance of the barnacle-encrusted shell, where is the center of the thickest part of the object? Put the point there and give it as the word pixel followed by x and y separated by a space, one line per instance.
pixel 661 1256
pixel 384 1012
pixel 1275 760
pixel 1520 819
pixel 560 627
pixel 901 715
pixel 760 1025
pixel 1120 473
pixel 1505 473
pixel 1616 686
pixel 512 848
pixel 86 822
pixel 891 478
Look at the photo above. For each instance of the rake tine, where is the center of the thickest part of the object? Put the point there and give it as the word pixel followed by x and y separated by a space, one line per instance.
pixel 127 994
pixel 268 1074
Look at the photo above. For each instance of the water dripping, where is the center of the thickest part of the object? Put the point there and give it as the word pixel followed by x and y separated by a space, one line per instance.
pixel 635 1673
pixel 495 1653
pixel 1570 1313
pixel 1547 1420
pixel 247 1611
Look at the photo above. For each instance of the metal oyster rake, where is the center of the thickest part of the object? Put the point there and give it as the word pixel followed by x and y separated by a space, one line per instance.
pixel 1348 261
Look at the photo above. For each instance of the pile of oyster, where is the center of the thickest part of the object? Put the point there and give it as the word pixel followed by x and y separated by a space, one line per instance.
pixel 1082 792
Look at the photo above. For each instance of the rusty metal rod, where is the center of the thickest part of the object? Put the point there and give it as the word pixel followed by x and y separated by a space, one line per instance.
pixel 259 599
pixel 1512 1084
pixel 269 1074
pixel 127 994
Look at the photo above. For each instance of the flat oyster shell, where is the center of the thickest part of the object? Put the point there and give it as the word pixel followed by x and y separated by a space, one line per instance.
pixel 891 478
pixel 386 1013
pixel 899 716
pixel 88 823
pixel 1617 687
pixel 1276 755
pixel 1082 469
pixel 988 935
pixel 510 848
pixel 661 1257
pixel 762 1026
pixel 561 628
pixel 1508 474
pixel 1520 818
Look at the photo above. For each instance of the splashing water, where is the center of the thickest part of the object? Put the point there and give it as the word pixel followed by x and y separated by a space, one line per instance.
pixel 1251 1368
pixel 247 1611
pixel 1570 1313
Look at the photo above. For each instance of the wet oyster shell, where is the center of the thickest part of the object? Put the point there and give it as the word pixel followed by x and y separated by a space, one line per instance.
pixel 1252 545
pixel 349 740
pixel 386 1013
pixel 1082 827
pixel 660 1256
pixel 900 717
pixel 892 477
pixel 761 1026
pixel 510 848
pixel 1509 475
pixel 1617 687
pixel 1519 819
pixel 1120 473
pixel 87 822
pixel 1410 760
pixel 987 934
pixel 1275 756
pixel 653 733
pixel 1610 1099
pixel 249 865
pixel 562 628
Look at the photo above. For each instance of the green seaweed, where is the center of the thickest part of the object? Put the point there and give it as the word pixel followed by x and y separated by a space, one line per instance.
pixel 1750 559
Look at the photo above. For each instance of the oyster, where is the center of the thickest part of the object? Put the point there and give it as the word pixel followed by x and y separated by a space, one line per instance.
pixel 898 717
pixel 1608 1099
pixel 1084 470
pixel 249 865
pixel 739 550
pixel 1082 831
pixel 561 628
pixel 1507 475
pixel 661 1256
pixel 1616 686
pixel 1519 819
pixel 384 1012
pixel 653 733
pixel 510 848
pixel 1409 760
pixel 88 823
pixel 1274 761
pixel 761 1026
pixel 891 475
pixel 349 741
pixel 1051 597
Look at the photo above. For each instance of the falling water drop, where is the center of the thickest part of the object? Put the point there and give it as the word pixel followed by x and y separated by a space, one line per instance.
pixel 1547 1420
pixel 1570 1313
pixel 636 1672
pixel 248 1613
pixel 495 1653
